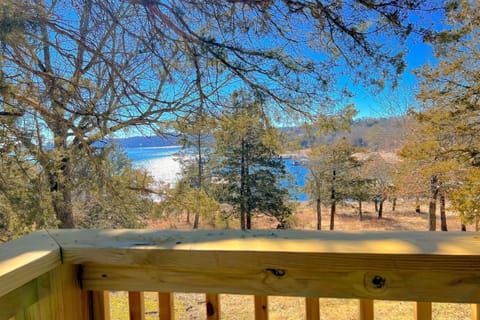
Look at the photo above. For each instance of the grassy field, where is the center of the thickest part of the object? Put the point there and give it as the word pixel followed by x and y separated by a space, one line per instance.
pixel 237 307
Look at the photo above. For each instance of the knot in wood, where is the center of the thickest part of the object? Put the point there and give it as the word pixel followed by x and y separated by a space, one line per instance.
pixel 210 309
pixel 277 272
pixel 378 281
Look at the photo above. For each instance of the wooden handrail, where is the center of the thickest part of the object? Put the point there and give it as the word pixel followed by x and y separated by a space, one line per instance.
pixel 66 274
pixel 418 266
pixel 24 259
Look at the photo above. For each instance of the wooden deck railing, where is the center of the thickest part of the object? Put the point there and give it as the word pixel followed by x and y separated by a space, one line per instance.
pixel 66 274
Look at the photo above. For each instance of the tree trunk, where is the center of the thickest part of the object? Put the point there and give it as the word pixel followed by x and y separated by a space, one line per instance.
pixel 188 216
pixel 432 208
pixel 196 221
pixel 376 204
pixel 432 219
pixel 249 197
pixel 243 204
pixel 59 173
pixel 333 207
pixel 249 220
pixel 380 209
pixel 360 212
pixel 333 210
pixel 443 216
pixel 417 205
pixel 394 204
pixel 319 214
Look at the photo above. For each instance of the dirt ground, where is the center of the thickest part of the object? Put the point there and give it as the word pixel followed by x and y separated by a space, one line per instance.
pixel 347 219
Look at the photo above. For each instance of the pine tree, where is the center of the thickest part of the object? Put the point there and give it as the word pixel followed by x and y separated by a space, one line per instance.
pixel 248 166
pixel 450 132
pixel 331 177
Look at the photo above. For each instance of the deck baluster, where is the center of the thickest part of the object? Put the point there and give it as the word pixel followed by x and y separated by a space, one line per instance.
pixel 423 311
pixel 213 306
pixel 261 307
pixel 165 306
pixel 136 305
pixel 312 308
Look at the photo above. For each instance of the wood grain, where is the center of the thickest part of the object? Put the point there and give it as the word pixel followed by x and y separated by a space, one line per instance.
pixel 476 311
pixel 213 306
pixel 408 266
pixel 25 259
pixel 16 301
pixel 101 305
pixel 165 306
pixel 261 307
pixel 136 304
pixel 312 308
pixel 366 309
pixel 423 311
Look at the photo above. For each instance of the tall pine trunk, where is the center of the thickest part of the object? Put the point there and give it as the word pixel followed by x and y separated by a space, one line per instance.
pixel 243 204
pixel 380 209
pixel 196 220
pixel 443 216
pixel 360 211
pixel 432 208
pixel 333 207
pixel 319 214
pixel 249 209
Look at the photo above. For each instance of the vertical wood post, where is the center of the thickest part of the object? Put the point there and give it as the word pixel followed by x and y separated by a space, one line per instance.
pixel 165 306
pixel 312 308
pixel 366 309
pixel 423 311
pixel 213 306
pixel 136 305
pixel 101 305
pixel 261 307
pixel 475 311
pixel 68 300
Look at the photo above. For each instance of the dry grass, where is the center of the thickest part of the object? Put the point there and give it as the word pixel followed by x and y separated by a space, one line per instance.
pixel 238 307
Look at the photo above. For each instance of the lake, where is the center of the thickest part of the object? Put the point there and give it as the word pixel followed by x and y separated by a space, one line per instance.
pixel 161 163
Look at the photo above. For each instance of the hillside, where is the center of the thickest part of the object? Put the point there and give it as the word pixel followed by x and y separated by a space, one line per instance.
pixel 375 134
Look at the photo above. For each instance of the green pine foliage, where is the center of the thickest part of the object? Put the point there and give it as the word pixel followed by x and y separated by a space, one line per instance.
pixel 247 164
pixel 446 145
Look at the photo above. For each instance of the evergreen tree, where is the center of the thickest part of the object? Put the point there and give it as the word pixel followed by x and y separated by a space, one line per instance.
pixel 196 139
pixel 450 133
pixel 248 166
pixel 319 168
pixel 331 170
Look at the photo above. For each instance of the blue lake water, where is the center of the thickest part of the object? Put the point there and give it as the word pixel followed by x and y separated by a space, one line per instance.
pixel 161 163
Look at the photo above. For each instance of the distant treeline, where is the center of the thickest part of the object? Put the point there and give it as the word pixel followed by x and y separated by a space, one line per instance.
pixel 376 134
pixel 373 133
pixel 147 142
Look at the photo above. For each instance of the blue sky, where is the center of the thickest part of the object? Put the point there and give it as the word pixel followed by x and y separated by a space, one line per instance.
pixel 418 53
pixel 369 104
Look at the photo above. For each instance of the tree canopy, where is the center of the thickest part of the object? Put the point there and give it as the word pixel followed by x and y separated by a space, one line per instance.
pixel 247 162
pixel 77 72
